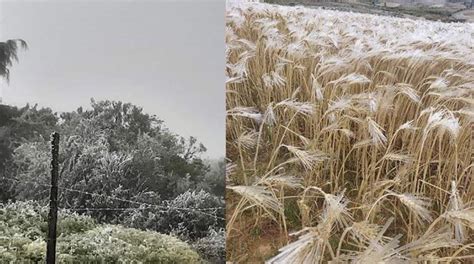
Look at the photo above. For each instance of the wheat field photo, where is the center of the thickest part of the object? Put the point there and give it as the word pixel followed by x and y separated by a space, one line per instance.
pixel 349 137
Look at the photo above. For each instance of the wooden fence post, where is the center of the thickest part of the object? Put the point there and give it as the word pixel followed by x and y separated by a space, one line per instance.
pixel 53 200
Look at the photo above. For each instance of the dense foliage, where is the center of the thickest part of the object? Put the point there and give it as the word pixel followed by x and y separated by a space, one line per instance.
pixel 82 240
pixel 111 154
pixel 212 247
pixel 8 54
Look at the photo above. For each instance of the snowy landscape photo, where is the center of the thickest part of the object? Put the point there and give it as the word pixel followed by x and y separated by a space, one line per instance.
pixel 135 96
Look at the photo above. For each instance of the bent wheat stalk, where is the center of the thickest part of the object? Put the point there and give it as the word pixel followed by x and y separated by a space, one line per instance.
pixel 322 103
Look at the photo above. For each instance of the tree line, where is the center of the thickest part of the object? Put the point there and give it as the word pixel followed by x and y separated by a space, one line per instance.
pixel 112 153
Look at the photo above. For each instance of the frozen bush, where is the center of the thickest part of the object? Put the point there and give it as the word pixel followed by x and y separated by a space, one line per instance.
pixel 81 240
pixel 212 246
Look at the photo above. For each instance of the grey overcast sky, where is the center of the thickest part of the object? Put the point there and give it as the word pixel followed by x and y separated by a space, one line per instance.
pixel 165 56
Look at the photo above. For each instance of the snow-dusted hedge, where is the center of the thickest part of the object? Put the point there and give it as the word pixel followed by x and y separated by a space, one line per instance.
pixel 23 230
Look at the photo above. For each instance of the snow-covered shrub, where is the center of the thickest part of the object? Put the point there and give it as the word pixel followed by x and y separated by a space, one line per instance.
pixel 198 210
pixel 189 215
pixel 80 240
pixel 212 246
pixel 115 244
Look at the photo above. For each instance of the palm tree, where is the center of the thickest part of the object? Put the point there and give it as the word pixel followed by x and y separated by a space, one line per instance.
pixel 8 54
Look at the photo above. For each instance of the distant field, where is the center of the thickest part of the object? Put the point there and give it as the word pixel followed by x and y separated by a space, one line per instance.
pixel 450 12
pixel 466 15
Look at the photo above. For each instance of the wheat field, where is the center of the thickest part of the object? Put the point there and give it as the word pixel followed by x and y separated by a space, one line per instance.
pixel 349 137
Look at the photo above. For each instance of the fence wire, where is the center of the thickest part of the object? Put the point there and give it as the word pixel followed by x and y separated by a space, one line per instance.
pixel 211 211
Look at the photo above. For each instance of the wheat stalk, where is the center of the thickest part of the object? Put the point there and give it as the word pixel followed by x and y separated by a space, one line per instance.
pixel 379 106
